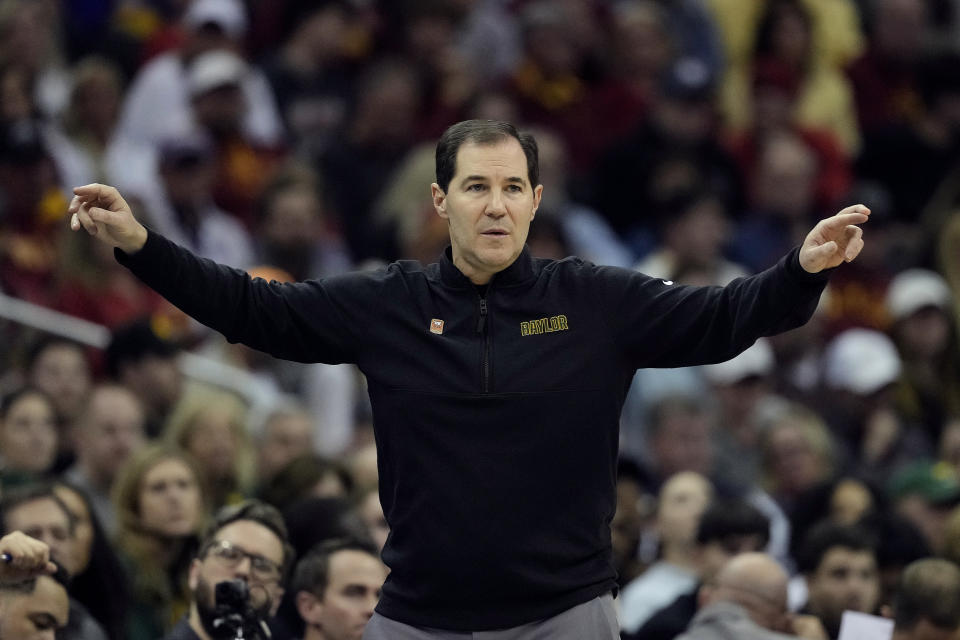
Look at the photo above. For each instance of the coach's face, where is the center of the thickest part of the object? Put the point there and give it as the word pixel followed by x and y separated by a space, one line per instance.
pixel 488 205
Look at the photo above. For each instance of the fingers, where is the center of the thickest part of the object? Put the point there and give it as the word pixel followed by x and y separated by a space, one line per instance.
pixel 854 243
pixel 24 556
pixel 82 218
pixel 102 194
pixel 841 220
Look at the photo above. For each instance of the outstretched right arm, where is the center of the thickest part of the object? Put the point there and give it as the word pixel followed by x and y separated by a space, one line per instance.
pixel 307 322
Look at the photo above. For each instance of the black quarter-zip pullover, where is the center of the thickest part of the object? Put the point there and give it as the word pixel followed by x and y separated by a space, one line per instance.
pixel 496 413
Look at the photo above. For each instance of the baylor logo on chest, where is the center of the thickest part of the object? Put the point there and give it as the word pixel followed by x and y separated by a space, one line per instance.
pixel 544 325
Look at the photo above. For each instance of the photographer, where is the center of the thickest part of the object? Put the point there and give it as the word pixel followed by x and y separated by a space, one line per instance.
pixel 236 580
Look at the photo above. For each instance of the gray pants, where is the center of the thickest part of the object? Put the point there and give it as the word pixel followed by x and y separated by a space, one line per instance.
pixel 592 620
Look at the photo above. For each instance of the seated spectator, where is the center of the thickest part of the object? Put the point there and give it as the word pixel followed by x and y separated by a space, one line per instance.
pixel 839 564
pixel 38 512
pixel 211 428
pixel 139 358
pixel 682 501
pixel 183 207
pixel 797 453
pixel 927 605
pixel 243 166
pixel 286 434
pixel 307 475
pixel 727 528
pixel 62 369
pixel 157 103
pixel 747 600
pixel 246 542
pixel 336 587
pixel 744 403
pixel 919 303
pixel 33 601
pixel 694 227
pixel 107 434
pixel 925 493
pixel 96 569
pixel 161 510
pixel 28 435
pixel 862 367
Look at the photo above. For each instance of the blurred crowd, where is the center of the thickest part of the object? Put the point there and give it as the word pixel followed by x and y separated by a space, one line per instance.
pixel 694 140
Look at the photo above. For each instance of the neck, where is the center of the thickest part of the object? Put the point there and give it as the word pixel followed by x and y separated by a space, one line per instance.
pixel 196 625
pixel 313 632
pixel 680 555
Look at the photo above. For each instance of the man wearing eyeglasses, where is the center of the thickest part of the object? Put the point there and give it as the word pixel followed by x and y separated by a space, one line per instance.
pixel 237 577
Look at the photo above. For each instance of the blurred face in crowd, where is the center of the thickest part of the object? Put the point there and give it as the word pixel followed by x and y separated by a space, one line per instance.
pixel 681 442
pixel 46 521
pixel 34 616
pixel 682 501
pixel 170 503
pixel 923 334
pixel 716 553
pixel 82 525
pixel 488 205
pixel 220 110
pixel 845 579
pixel 294 218
pixel 850 501
pixel 213 441
pixel 28 434
pixel 793 461
pixel 286 436
pixel 62 370
pixel 341 612
pixel 243 550
pixel 111 429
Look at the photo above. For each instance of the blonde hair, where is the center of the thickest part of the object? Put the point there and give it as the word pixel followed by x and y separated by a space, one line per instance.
pixel 129 484
pixel 814 432
pixel 186 417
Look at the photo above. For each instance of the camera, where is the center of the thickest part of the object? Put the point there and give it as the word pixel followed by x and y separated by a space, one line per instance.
pixel 234 616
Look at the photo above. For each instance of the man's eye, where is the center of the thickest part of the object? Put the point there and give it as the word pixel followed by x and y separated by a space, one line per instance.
pixel 515 188
pixel 475 187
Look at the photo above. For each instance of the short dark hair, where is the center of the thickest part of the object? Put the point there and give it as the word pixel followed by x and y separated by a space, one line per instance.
pixel 483 132
pixel 725 518
pixel 48 341
pixel 929 590
pixel 17 496
pixel 11 398
pixel 312 573
pixel 257 511
pixel 26 587
pixel 828 535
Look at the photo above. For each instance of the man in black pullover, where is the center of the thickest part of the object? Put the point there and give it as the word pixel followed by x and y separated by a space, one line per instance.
pixel 496 381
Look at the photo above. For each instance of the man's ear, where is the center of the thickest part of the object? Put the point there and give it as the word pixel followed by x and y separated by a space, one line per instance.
pixel 537 194
pixel 309 607
pixel 439 200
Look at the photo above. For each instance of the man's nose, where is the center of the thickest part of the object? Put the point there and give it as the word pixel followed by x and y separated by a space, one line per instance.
pixel 496 207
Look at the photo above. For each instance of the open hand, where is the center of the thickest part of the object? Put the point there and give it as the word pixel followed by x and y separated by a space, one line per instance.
pixel 102 212
pixel 834 240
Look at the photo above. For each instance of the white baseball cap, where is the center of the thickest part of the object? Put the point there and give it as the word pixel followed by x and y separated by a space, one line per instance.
pixel 215 69
pixel 914 289
pixel 862 361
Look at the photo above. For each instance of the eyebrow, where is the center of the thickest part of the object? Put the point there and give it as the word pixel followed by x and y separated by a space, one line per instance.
pixel 476 178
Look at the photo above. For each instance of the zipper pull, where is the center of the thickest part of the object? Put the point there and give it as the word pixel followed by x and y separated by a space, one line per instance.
pixel 482 321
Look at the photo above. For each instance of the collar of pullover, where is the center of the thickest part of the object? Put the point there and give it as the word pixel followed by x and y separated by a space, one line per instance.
pixel 521 270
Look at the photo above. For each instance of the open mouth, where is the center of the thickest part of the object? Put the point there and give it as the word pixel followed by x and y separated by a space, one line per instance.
pixel 495 233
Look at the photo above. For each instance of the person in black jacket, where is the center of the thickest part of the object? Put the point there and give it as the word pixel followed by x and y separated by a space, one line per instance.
pixel 496 381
